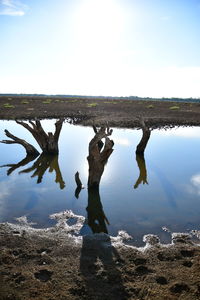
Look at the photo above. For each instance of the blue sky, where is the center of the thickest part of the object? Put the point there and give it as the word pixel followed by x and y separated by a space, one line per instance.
pixel 100 47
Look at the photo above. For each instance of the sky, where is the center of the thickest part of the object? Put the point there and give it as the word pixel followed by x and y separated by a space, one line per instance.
pixel 147 48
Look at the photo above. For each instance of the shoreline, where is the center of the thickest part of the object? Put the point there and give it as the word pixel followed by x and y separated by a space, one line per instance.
pixel 56 263
pixel 110 112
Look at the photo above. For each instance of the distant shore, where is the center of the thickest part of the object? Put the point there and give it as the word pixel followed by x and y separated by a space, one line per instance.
pixel 115 112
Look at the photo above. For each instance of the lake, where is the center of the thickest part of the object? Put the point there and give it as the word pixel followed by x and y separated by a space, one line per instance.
pixel 167 201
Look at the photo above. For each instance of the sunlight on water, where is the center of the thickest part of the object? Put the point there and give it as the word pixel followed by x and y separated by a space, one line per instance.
pixel 137 194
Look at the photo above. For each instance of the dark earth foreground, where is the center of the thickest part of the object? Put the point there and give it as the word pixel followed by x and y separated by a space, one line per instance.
pixel 87 111
pixel 43 268
pixel 34 266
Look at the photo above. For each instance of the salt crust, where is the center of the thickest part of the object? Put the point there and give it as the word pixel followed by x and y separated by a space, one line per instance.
pixel 65 232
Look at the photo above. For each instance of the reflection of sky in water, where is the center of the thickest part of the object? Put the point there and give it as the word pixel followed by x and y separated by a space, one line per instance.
pixel 171 197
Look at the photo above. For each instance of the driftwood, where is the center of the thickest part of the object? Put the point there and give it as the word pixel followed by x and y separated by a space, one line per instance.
pixel 22 163
pixel 79 185
pixel 143 172
pixel 30 150
pixel 96 216
pixel 145 138
pixel 98 155
pixel 47 142
pixel 40 166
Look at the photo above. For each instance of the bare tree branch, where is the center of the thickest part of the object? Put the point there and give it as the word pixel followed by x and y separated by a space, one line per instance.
pixel 30 150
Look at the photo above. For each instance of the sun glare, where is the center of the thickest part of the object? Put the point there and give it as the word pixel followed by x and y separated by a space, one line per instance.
pixel 98 21
pixel 97 26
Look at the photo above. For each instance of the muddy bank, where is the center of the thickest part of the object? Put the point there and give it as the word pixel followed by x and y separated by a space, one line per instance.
pixel 57 263
pixel 117 113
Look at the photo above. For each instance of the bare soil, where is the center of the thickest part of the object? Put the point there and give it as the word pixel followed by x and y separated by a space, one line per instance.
pixel 87 111
pixel 42 268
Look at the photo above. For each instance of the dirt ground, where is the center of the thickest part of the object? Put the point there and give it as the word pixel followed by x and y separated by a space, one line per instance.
pixel 35 266
pixel 40 267
pixel 116 113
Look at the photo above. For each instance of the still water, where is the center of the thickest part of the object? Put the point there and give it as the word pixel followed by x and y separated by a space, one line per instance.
pixel 139 196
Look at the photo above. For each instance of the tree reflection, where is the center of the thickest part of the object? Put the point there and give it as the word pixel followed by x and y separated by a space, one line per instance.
pixel 42 164
pixel 140 149
pixel 143 172
pixel 48 142
pixel 96 217
pixel 21 163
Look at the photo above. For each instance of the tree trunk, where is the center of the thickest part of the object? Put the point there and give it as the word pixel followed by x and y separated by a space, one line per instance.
pixel 47 142
pixel 145 138
pixel 30 150
pixel 98 155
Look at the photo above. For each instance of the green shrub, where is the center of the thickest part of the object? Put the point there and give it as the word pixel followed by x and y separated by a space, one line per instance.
pixel 174 107
pixel 111 102
pixel 150 106
pixel 47 101
pixel 92 104
pixel 7 105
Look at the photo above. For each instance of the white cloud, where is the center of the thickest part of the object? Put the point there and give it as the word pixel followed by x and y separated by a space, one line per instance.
pixel 196 180
pixel 12 8
pixel 195 187
pixel 4 191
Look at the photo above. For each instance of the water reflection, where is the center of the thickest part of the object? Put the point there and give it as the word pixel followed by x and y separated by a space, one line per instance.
pixel 143 171
pixel 79 185
pixel 168 186
pixel 171 198
pixel 48 142
pixel 96 217
pixel 146 133
pixel 22 163
pixel 42 164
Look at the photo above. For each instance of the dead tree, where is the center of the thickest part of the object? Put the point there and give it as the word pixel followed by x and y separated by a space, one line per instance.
pixel 47 142
pixel 30 150
pixel 145 138
pixel 98 155
pixel 143 172
pixel 42 164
